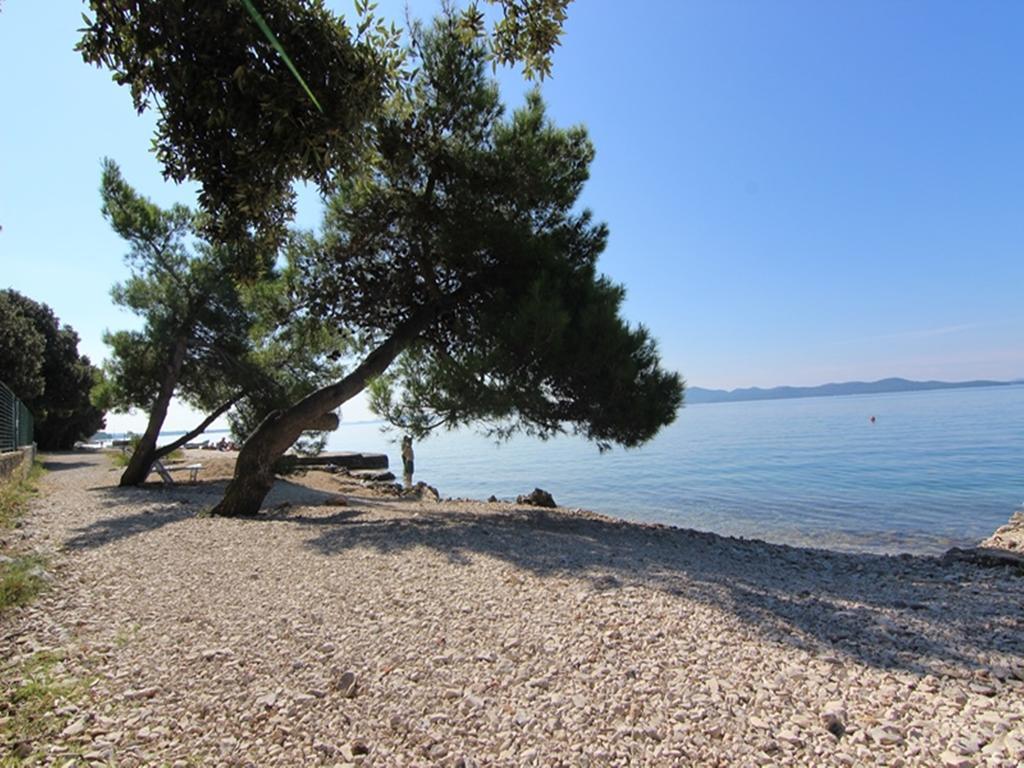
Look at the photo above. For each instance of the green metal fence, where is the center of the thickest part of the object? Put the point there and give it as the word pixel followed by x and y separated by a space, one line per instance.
pixel 16 426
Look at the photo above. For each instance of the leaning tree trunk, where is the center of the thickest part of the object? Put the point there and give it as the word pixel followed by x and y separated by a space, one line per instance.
pixel 254 470
pixel 145 452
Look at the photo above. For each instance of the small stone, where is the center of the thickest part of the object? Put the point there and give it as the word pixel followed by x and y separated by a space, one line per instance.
pixel 75 729
pixel 836 728
pixel 346 684
pixel 887 734
pixel 141 693
pixel 438 751
pixel 953 760
pixel 791 737
pixel 360 748
pixel 757 722
pixel 984 689
pixel 213 653
pixel 833 715
pixel 324 748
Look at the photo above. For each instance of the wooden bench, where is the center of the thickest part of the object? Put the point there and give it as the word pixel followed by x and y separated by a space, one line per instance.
pixel 165 472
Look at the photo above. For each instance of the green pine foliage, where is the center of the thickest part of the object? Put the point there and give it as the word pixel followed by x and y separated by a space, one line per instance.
pixel 209 338
pixel 476 214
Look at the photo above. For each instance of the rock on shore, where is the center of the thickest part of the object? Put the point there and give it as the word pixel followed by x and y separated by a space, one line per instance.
pixel 1009 536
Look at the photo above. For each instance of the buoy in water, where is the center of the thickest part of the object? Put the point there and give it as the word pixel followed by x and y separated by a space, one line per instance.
pixel 872 419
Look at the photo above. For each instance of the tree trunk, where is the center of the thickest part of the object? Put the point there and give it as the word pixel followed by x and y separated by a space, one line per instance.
pixel 145 453
pixel 254 470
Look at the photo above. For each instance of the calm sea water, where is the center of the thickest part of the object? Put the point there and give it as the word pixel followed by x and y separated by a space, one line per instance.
pixel 936 469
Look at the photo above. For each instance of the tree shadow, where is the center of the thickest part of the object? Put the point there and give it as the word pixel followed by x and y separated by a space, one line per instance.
pixel 155 505
pixel 111 529
pixel 908 613
pixel 56 466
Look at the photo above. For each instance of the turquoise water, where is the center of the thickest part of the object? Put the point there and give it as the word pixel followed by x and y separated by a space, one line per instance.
pixel 936 469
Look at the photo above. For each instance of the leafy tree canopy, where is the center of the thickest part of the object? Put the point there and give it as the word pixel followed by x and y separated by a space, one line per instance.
pixel 61 408
pixel 234 118
pixel 207 338
pixel 528 32
pixel 475 214
pixel 21 350
pixel 185 291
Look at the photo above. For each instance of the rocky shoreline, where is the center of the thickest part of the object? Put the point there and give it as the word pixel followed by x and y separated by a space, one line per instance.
pixel 351 628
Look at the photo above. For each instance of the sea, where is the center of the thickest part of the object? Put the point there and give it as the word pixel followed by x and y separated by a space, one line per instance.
pixel 933 470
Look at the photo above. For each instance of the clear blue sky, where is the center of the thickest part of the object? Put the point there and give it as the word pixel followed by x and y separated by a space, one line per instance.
pixel 798 192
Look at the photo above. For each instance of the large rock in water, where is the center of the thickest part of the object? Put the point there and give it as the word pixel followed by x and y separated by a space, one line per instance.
pixel 537 498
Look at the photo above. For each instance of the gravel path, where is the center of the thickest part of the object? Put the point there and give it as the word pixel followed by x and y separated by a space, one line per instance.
pixel 399 633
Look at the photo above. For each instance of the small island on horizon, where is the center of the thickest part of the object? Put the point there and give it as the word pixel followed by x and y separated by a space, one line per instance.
pixel 696 395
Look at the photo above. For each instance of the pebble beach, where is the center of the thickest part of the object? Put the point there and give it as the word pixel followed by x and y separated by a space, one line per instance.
pixel 349 627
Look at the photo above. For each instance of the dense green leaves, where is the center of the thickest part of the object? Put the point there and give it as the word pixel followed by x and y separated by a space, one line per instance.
pixel 208 339
pixel 21 350
pixel 528 31
pixel 42 366
pixel 476 213
pixel 186 293
pixel 246 117
pixel 272 39
pixel 231 115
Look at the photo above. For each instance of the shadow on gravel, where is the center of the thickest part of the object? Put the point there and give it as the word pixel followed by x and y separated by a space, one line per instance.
pixel 111 529
pixel 155 505
pixel 57 466
pixel 57 461
pixel 901 613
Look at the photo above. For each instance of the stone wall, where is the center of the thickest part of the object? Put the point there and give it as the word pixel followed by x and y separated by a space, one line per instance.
pixel 16 464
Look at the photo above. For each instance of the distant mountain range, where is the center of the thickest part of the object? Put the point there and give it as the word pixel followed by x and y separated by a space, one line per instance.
pixel 700 395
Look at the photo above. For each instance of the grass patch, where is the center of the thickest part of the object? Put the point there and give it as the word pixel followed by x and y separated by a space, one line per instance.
pixel 118 457
pixel 21 579
pixel 15 495
pixel 34 692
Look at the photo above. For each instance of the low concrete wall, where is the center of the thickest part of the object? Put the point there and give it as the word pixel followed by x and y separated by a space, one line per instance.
pixel 16 464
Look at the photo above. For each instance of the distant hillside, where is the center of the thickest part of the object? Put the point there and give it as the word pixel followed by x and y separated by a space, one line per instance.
pixel 699 395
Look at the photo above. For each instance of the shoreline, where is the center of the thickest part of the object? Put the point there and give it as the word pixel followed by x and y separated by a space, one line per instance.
pixel 499 634
pixel 1008 536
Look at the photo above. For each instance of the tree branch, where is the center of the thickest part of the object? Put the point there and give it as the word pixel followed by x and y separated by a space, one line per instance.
pixel 166 449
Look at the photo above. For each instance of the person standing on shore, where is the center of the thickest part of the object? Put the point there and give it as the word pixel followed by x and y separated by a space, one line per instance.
pixel 407 460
